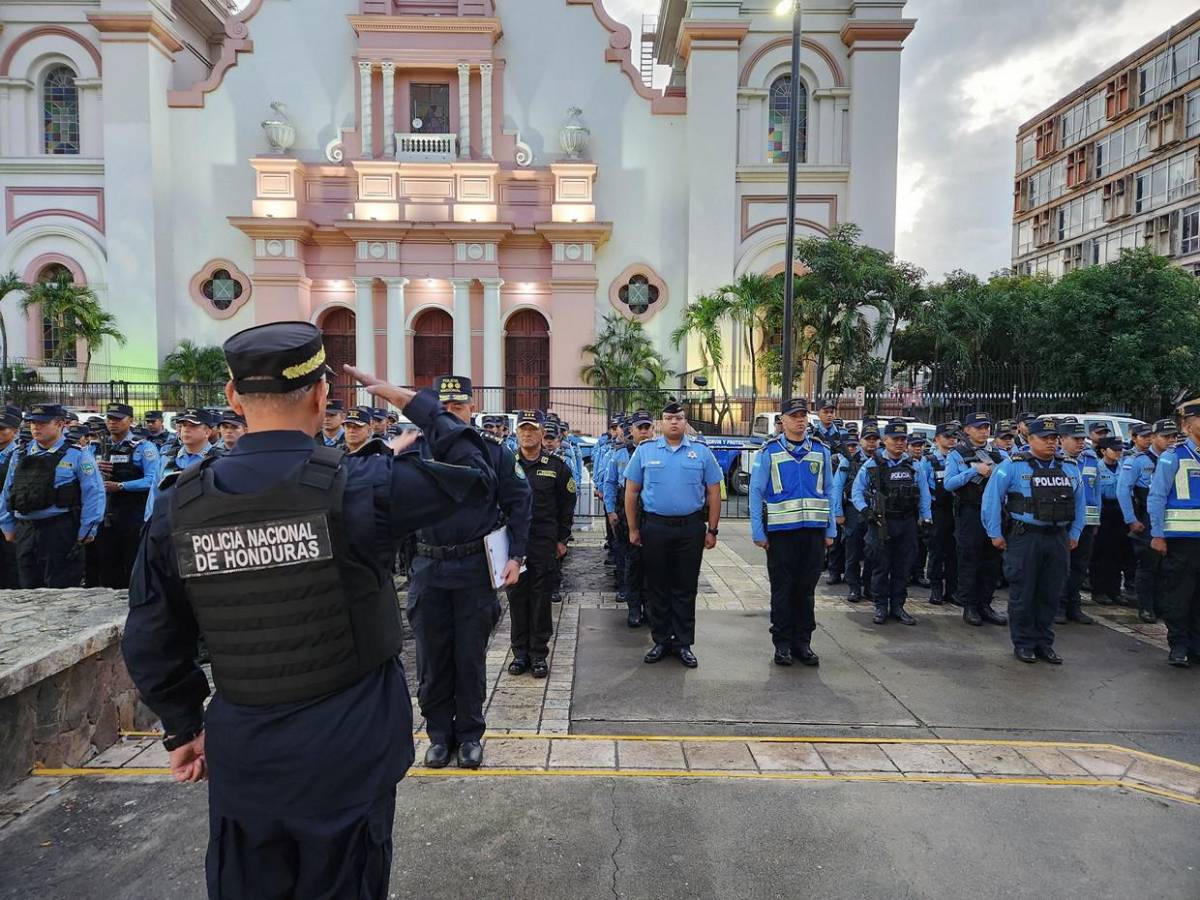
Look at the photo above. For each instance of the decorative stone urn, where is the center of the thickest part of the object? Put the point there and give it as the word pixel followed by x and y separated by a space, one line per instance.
pixel 281 133
pixel 574 134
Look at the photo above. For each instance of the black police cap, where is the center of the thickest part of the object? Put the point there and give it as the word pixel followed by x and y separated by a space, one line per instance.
pixel 228 416
pixel 641 417
pixel 795 406
pixel 1071 429
pixel 453 389
pixel 117 410
pixel 11 417
pixel 673 408
pixel 194 415
pixel 333 405
pixel 1043 426
pixel 276 358
pixel 1112 442
pixel 530 417
pixel 358 415
pixel 45 412
pixel 1141 430
pixel 154 415
pixel 1166 426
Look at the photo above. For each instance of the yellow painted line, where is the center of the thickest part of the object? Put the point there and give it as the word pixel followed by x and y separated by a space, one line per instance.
pixel 153 734
pixel 58 773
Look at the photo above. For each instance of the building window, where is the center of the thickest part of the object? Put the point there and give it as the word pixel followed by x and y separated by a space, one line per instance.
pixel 430 106
pixel 777 129
pixel 1122 148
pixel 221 289
pixel 60 112
pixel 1083 120
pixel 638 294
pixel 1191 231
pixel 1193 114
pixel 1028 155
pixel 53 348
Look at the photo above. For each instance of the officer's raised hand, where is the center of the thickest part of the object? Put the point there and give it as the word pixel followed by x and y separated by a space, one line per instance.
pixel 984 469
pixel 377 387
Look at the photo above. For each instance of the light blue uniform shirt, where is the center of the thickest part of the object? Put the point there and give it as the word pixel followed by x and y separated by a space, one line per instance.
pixel 1136 471
pixel 145 456
pixel 960 471
pixel 760 475
pixel 1013 476
pixel 1106 480
pixel 858 492
pixel 673 479
pixel 1164 481
pixel 332 442
pixel 837 492
pixel 75 465
pixel 182 461
pixel 614 477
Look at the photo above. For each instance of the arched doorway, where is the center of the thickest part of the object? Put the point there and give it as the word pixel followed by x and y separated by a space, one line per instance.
pixel 337 327
pixel 433 347
pixel 527 360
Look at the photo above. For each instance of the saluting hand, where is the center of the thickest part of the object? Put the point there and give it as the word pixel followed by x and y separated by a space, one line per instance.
pixel 397 396
pixel 402 442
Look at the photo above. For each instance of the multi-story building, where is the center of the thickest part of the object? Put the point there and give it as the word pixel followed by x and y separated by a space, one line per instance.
pixel 424 185
pixel 1115 164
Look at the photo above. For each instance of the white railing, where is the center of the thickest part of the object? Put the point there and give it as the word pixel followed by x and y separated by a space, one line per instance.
pixel 427 147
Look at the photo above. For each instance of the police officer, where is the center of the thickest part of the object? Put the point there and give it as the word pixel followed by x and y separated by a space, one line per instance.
pixel 1072 438
pixel 156 432
pixel 332 433
pixel 554 445
pixel 968 467
pixel 1174 507
pixel 359 433
pixel 678 483
pixel 452 605
pixel 791 518
pixel 605 444
pixel 638 430
pixel 943 552
pixel 1133 487
pixel 492 425
pixel 308 733
pixel 10 426
pixel 553 490
pixel 378 421
pixel 891 496
pixel 231 426
pixel 916 449
pixel 129 467
pixel 1111 543
pixel 192 427
pixel 1005 439
pixel 824 429
pixel 835 556
pixel 51 504
pixel 1043 493
pixel 858 557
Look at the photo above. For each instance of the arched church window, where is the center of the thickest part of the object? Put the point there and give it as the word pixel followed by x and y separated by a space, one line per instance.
pixel 777 129
pixel 60 112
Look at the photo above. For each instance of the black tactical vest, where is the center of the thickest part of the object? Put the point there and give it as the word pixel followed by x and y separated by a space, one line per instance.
pixel 972 491
pixel 171 469
pixel 1052 493
pixel 898 484
pixel 121 457
pixel 942 498
pixel 1141 493
pixel 856 462
pixel 286 610
pixel 32 488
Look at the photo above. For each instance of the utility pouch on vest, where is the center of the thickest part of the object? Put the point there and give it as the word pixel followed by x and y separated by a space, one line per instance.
pixel 33 489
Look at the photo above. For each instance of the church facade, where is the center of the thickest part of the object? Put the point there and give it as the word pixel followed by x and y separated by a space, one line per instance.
pixel 465 185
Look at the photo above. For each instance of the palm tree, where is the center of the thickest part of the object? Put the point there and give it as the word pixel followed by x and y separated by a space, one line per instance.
pixel 194 364
pixel 702 318
pixel 9 284
pixel 625 365
pixel 752 299
pixel 78 314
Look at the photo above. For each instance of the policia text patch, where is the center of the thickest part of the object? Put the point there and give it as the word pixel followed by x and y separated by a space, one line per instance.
pixel 245 548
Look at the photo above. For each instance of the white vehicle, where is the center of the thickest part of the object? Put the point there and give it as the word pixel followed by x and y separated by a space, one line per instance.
pixel 1118 425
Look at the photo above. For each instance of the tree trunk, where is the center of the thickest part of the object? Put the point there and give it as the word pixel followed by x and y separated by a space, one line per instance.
pixel 3 359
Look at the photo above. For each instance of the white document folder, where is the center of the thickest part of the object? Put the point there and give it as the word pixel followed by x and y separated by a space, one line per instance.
pixel 495 545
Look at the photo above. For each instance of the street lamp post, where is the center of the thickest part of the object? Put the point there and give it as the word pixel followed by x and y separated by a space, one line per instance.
pixel 789 277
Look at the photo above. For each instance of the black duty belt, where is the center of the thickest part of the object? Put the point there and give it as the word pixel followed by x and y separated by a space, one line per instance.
pixel 1023 527
pixel 453 551
pixel 676 521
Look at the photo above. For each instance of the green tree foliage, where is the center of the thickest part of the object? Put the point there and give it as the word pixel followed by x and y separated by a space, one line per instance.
pixel 193 364
pixel 625 368
pixel 79 314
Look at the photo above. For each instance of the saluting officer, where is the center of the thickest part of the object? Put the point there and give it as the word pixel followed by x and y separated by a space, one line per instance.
pixel 1043 494
pixel 630 563
pixel 553 493
pixel 311 725
pixel 10 425
pixel 332 433
pixel 129 466
pixel 854 526
pixel 192 426
pixel 791 518
pixel 51 504
pixel 1133 487
pixel 1072 437
pixel 156 432
pixel 943 553
pixel 678 482
pixel 891 496
pixel 452 605
pixel 231 426
pixel 968 467
pixel 1174 506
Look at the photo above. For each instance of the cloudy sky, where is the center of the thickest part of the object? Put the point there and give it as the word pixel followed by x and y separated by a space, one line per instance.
pixel 972 72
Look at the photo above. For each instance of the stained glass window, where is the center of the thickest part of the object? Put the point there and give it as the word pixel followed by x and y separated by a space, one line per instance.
pixel 638 294
pixel 777 128
pixel 221 289
pixel 60 112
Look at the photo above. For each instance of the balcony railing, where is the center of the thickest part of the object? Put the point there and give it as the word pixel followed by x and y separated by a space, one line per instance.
pixel 427 147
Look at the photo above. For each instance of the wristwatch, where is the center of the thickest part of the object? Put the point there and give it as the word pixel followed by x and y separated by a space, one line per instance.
pixel 713 531
pixel 519 560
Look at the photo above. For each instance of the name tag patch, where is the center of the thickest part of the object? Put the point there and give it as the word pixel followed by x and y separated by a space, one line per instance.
pixel 229 549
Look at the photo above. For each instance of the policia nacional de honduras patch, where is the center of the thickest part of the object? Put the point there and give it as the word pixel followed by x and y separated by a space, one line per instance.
pixel 235 548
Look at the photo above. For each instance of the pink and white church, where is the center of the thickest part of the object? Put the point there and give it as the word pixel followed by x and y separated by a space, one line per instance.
pixel 466 185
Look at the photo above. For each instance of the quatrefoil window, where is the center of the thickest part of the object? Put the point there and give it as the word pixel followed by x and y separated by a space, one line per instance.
pixel 221 290
pixel 638 294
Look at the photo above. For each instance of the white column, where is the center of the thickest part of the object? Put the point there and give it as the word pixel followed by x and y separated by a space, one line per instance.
pixel 91 129
pixel 389 111
pixel 464 114
pixel 485 80
pixel 397 363
pixel 462 326
pixel 364 324
pixel 6 129
pixel 364 90
pixel 492 356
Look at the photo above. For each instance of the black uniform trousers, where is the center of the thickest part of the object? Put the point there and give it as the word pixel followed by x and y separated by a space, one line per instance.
pixel 1148 579
pixel 529 602
pixel 671 555
pixel 943 552
pixel 119 537
pixel 302 858
pixel 1081 558
pixel 892 562
pixel 979 562
pixel 629 564
pixel 1036 564
pixel 794 567
pixel 835 556
pixel 620 548
pixel 858 560
pixel 1181 594
pixel 452 626
pixel 1111 551
pixel 48 553
pixel 9 575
